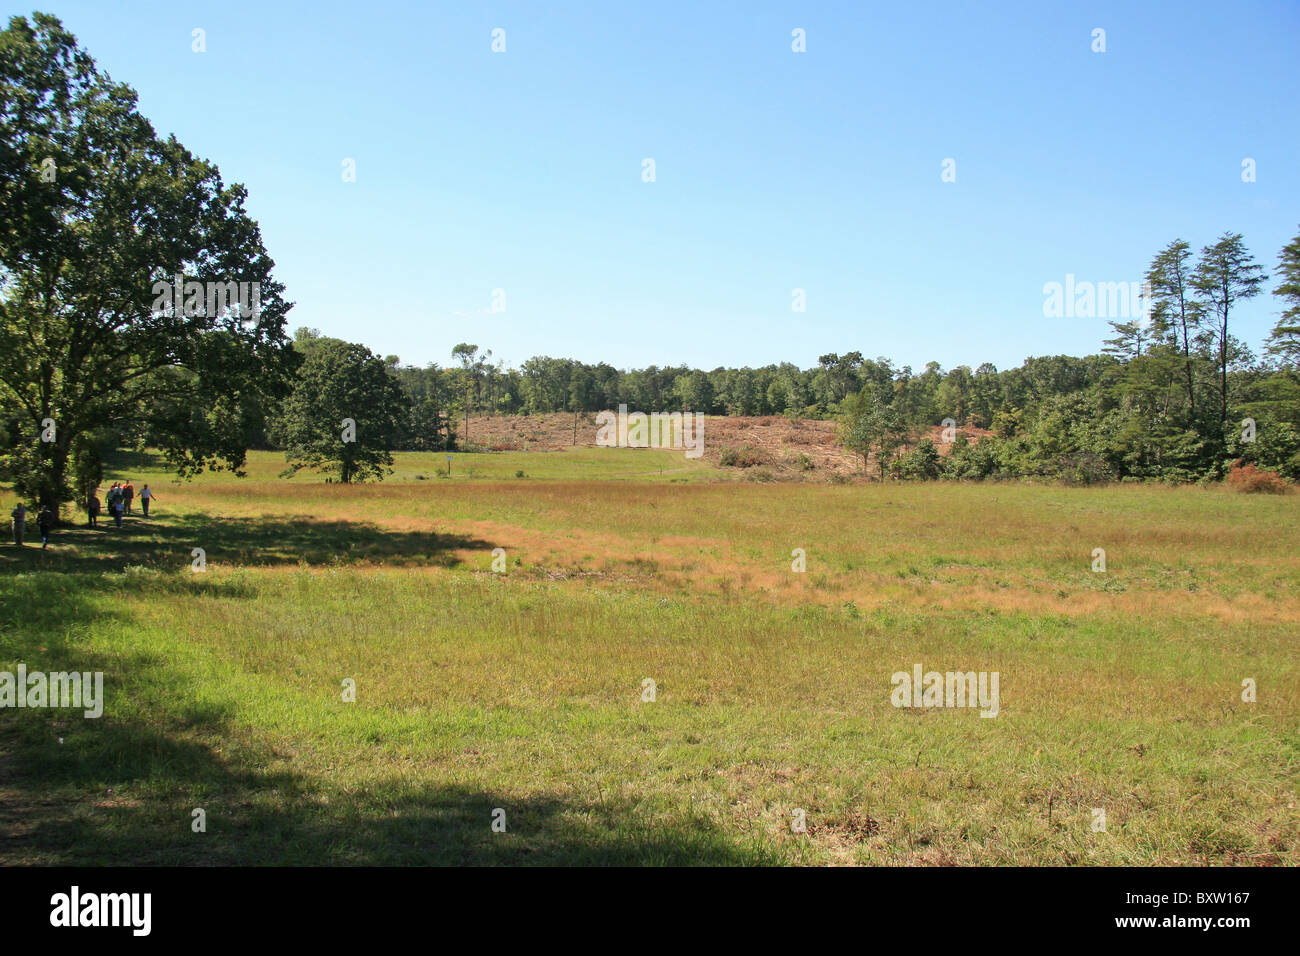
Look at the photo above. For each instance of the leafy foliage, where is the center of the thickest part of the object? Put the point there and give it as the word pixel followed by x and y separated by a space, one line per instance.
pixel 95 209
pixel 345 414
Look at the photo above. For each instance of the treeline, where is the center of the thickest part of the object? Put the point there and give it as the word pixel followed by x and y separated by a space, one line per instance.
pixel 92 358
pixel 1177 396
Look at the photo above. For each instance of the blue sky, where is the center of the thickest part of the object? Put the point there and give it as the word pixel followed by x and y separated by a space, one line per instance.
pixel 775 170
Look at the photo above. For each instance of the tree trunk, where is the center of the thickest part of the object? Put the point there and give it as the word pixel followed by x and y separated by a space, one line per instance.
pixel 1187 364
pixel 53 474
pixel 1223 373
pixel 1223 357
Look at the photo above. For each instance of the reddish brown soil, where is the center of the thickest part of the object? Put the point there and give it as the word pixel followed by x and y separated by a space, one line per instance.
pixel 786 449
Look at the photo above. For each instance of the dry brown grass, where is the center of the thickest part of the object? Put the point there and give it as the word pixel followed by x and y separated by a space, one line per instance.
pixel 1015 548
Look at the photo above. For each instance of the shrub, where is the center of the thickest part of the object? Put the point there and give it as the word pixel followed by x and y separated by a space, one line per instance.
pixel 1247 478
pixel 1085 468
pixel 743 457
pixel 921 463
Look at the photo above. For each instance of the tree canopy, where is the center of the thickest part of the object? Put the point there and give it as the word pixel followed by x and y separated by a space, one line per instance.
pixel 99 219
pixel 346 412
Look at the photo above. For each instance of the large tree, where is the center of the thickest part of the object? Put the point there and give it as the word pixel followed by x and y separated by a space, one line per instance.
pixel 346 412
pixel 1176 314
pixel 95 211
pixel 1284 340
pixel 1225 275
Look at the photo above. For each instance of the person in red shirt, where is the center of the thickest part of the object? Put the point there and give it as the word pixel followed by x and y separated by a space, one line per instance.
pixel 128 494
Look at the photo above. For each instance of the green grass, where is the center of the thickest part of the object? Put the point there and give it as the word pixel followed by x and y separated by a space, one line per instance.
pixel 572 464
pixel 522 691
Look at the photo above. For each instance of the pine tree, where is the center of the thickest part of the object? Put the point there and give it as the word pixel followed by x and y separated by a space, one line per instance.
pixel 1284 340
pixel 1175 314
pixel 1226 275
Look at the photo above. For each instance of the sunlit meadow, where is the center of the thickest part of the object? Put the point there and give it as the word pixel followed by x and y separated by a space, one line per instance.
pixel 521 687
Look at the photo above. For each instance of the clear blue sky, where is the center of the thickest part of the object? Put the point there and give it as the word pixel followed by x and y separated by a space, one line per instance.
pixel 775 170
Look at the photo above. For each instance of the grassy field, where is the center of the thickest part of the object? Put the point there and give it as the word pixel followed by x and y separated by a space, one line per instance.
pixel 523 690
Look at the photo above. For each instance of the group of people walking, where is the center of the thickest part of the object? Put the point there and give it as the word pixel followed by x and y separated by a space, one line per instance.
pixel 120 498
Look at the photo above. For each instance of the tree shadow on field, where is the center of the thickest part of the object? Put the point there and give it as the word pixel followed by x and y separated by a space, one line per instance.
pixel 103 803
pixel 167 544
pixel 121 789
pixel 118 460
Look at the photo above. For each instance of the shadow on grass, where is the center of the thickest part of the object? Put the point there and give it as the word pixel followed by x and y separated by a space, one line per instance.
pixel 167 544
pixel 120 789
pixel 125 460
pixel 264 819
pixel 120 794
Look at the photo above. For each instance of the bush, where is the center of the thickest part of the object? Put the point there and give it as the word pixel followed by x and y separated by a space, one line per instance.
pixel 1291 467
pixel 921 463
pixel 1085 468
pixel 976 461
pixel 1247 478
pixel 744 457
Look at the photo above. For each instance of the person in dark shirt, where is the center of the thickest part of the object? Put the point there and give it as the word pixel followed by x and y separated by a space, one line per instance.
pixel 114 500
pixel 45 524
